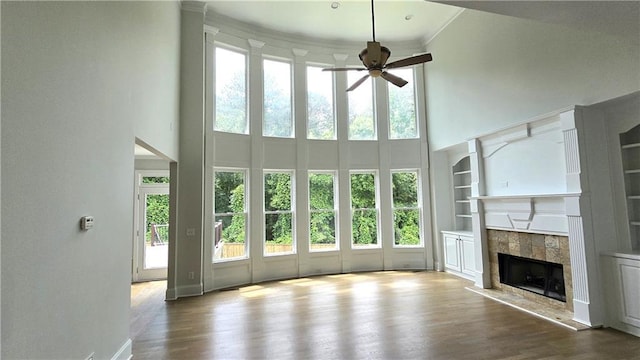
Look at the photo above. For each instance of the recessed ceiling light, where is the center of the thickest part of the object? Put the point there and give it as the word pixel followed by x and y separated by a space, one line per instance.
pixel 335 5
pixel 408 17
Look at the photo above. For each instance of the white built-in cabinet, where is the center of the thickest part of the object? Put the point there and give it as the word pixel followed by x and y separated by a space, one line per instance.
pixel 621 275
pixel 459 254
pixel 630 148
pixel 458 244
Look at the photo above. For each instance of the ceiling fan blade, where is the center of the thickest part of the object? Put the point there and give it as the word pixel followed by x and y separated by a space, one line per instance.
pixel 343 69
pixel 358 83
pixel 395 80
pixel 418 59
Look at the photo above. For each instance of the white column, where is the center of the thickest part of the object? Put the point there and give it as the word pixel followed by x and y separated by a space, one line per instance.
pixel 256 196
pixel 483 275
pixel 584 261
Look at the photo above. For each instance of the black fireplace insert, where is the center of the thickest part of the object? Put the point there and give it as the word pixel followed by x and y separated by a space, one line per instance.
pixel 540 277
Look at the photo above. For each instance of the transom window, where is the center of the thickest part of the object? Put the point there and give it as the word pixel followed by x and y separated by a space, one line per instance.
pixel 364 210
pixel 230 215
pixel 406 208
pixel 362 125
pixel 322 211
pixel 278 213
pixel 277 116
pixel 231 91
pixel 321 122
pixel 402 107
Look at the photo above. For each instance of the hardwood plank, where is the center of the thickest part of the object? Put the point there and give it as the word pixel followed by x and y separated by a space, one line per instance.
pixel 379 315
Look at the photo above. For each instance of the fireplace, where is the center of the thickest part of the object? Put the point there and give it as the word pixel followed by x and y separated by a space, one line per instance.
pixel 537 250
pixel 537 276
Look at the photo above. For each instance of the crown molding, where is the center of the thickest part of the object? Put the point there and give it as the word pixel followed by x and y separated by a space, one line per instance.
pixel 194 6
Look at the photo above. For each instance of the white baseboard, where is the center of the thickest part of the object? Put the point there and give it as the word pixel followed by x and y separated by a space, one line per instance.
pixel 183 291
pixel 125 352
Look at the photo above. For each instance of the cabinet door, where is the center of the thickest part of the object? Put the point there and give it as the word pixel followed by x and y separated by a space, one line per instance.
pixel 451 252
pixel 467 255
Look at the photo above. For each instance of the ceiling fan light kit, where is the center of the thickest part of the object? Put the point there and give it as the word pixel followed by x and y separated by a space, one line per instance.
pixel 374 57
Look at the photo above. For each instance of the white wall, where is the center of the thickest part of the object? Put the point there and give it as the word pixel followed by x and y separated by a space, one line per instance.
pixel 75 81
pixel 491 71
pixel 156 75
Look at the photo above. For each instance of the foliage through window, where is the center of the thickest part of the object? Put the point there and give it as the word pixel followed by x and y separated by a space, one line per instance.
pixel 278 213
pixel 364 212
pixel 362 125
pixel 322 211
pixel 231 91
pixel 320 116
pixel 406 208
pixel 230 215
pixel 402 108
pixel 276 117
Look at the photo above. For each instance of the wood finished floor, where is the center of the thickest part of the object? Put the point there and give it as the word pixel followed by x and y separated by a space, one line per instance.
pixel 381 315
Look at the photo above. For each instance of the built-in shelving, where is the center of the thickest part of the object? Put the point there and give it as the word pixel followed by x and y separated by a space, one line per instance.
pixel 462 193
pixel 630 148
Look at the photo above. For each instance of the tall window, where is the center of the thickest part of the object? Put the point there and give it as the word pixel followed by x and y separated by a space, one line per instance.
pixel 320 116
pixel 278 213
pixel 231 92
pixel 322 211
pixel 402 108
pixel 362 125
pixel 364 211
pixel 230 215
pixel 277 119
pixel 406 208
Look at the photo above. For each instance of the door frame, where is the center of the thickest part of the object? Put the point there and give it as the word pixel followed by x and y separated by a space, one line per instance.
pixel 138 273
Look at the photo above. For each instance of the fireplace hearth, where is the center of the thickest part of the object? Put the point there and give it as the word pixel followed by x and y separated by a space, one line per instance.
pixel 536 276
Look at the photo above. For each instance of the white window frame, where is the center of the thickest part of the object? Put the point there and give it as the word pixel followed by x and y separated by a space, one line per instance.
pixel 291 211
pixel 376 184
pixel 292 135
pixel 417 207
pixel 333 101
pixel 245 173
pixel 334 174
pixel 244 52
pixel 412 81
pixel 374 112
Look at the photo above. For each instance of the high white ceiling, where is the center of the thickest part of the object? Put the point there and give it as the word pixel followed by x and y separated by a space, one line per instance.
pixel 350 21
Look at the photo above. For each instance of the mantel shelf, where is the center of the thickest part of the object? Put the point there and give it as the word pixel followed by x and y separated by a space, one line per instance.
pixel 633 197
pixel 463 215
pixel 525 196
pixel 632 171
pixel 462 187
pixel 463 201
pixel 635 223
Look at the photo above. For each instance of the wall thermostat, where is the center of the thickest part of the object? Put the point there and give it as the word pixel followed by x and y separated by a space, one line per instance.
pixel 86 222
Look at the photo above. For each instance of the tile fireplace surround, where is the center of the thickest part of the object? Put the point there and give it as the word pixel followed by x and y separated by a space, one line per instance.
pixel 551 248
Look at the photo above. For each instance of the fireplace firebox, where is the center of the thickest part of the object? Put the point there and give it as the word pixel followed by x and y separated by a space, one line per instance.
pixel 540 277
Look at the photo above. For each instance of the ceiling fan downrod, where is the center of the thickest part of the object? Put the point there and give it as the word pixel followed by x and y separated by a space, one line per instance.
pixel 373 22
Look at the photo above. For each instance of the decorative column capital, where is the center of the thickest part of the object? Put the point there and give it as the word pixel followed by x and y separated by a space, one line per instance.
pixel 255 44
pixel 194 6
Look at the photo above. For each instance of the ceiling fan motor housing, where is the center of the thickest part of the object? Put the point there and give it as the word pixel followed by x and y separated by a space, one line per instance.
pixel 376 63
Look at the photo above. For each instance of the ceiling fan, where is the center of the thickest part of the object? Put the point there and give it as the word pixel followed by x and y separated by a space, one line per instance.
pixel 374 58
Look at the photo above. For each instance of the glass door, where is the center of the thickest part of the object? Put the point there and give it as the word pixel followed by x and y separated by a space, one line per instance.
pixel 152 233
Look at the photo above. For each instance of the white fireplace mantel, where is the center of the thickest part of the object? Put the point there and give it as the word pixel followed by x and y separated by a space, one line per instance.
pixel 532 213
